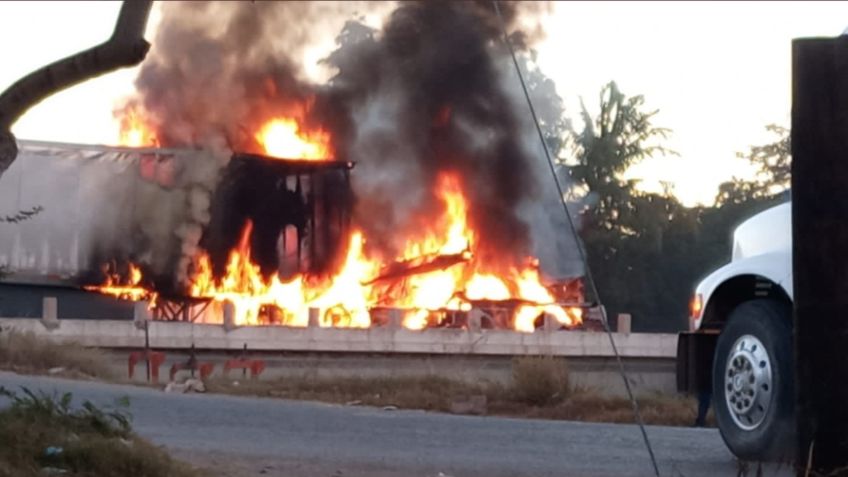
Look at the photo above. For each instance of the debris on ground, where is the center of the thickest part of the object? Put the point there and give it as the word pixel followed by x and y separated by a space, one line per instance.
pixel 190 385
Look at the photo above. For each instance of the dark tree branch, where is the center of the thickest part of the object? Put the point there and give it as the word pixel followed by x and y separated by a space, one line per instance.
pixel 126 47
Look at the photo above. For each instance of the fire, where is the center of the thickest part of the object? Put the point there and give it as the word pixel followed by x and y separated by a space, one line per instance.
pixel 530 289
pixel 436 274
pixel 455 287
pixel 486 287
pixel 283 137
pixel 437 271
pixel 135 130
pixel 129 288
pixel 342 298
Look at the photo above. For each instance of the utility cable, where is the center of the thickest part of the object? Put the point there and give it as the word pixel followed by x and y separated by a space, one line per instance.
pixel 592 285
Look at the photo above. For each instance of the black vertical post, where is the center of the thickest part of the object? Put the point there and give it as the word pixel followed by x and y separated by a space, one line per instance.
pixel 327 205
pixel 299 234
pixel 192 360
pixel 244 357
pixel 313 229
pixel 820 250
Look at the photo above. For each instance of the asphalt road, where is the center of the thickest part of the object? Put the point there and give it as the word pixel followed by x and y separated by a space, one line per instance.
pixel 252 436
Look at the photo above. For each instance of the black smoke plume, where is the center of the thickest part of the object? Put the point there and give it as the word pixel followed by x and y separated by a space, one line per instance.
pixel 428 93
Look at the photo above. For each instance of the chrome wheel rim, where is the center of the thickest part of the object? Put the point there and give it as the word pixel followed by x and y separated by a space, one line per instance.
pixel 748 383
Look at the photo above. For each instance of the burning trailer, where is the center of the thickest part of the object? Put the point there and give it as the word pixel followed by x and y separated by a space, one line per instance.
pixel 265 241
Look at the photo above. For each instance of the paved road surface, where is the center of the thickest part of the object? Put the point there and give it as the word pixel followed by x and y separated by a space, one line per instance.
pixel 252 436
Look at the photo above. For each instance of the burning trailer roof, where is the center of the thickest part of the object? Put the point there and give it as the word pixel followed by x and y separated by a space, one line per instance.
pixel 103 207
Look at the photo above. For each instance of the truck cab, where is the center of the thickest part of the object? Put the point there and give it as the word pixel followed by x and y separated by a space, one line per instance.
pixel 739 345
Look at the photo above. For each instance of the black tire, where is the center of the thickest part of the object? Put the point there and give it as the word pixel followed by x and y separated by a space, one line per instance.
pixel 772 438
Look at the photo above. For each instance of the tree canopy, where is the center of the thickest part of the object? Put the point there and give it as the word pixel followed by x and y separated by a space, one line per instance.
pixel 646 250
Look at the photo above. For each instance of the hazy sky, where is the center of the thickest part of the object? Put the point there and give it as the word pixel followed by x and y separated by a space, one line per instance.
pixel 718 72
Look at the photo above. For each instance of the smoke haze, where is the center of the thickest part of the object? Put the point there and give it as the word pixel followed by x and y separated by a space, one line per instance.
pixel 432 91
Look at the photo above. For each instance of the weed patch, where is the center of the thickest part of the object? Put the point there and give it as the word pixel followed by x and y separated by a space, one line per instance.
pixel 28 353
pixel 40 431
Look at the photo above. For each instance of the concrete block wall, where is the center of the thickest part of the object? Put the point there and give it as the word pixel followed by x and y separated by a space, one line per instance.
pixel 181 335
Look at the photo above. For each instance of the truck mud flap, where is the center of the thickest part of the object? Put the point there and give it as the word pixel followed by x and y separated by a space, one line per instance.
pixel 695 353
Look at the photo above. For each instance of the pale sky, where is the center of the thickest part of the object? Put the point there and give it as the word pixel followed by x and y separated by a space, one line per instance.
pixel 718 72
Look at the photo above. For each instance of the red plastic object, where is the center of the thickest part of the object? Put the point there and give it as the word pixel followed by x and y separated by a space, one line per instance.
pixel 256 366
pixel 153 358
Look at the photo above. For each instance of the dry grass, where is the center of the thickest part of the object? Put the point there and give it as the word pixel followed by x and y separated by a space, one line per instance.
pixel 429 392
pixel 27 353
pixel 591 406
pixel 540 389
pixel 540 381
pixel 44 435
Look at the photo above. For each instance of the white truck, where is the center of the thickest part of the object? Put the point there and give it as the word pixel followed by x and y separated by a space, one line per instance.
pixel 739 344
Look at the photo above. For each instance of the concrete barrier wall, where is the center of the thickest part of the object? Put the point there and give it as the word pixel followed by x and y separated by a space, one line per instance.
pixel 173 335
pixel 646 375
pixel 484 355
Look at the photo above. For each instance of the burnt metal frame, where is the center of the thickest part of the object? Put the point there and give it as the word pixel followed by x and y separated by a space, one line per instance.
pixel 300 169
pixel 180 309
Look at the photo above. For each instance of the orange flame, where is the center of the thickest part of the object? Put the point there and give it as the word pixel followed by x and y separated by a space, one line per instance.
pixel 283 138
pixel 531 289
pixel 346 298
pixel 342 297
pixel 130 289
pixel 135 130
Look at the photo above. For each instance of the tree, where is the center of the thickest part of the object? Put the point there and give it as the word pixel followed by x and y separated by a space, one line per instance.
pixel 646 250
pixel 548 104
pixel 625 230
pixel 619 137
pixel 126 47
pixel 773 162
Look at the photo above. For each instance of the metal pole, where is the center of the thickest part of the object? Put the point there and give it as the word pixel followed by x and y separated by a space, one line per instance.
pixel 147 348
pixel 244 357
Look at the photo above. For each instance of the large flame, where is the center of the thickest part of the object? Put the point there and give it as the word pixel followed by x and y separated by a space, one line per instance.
pixel 135 129
pixel 283 138
pixel 455 282
pixel 342 298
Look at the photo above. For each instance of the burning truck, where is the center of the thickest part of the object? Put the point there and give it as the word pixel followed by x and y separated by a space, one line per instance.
pixel 278 240
pixel 409 181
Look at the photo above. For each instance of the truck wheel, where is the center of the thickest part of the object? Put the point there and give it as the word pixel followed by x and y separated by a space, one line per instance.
pixel 753 388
